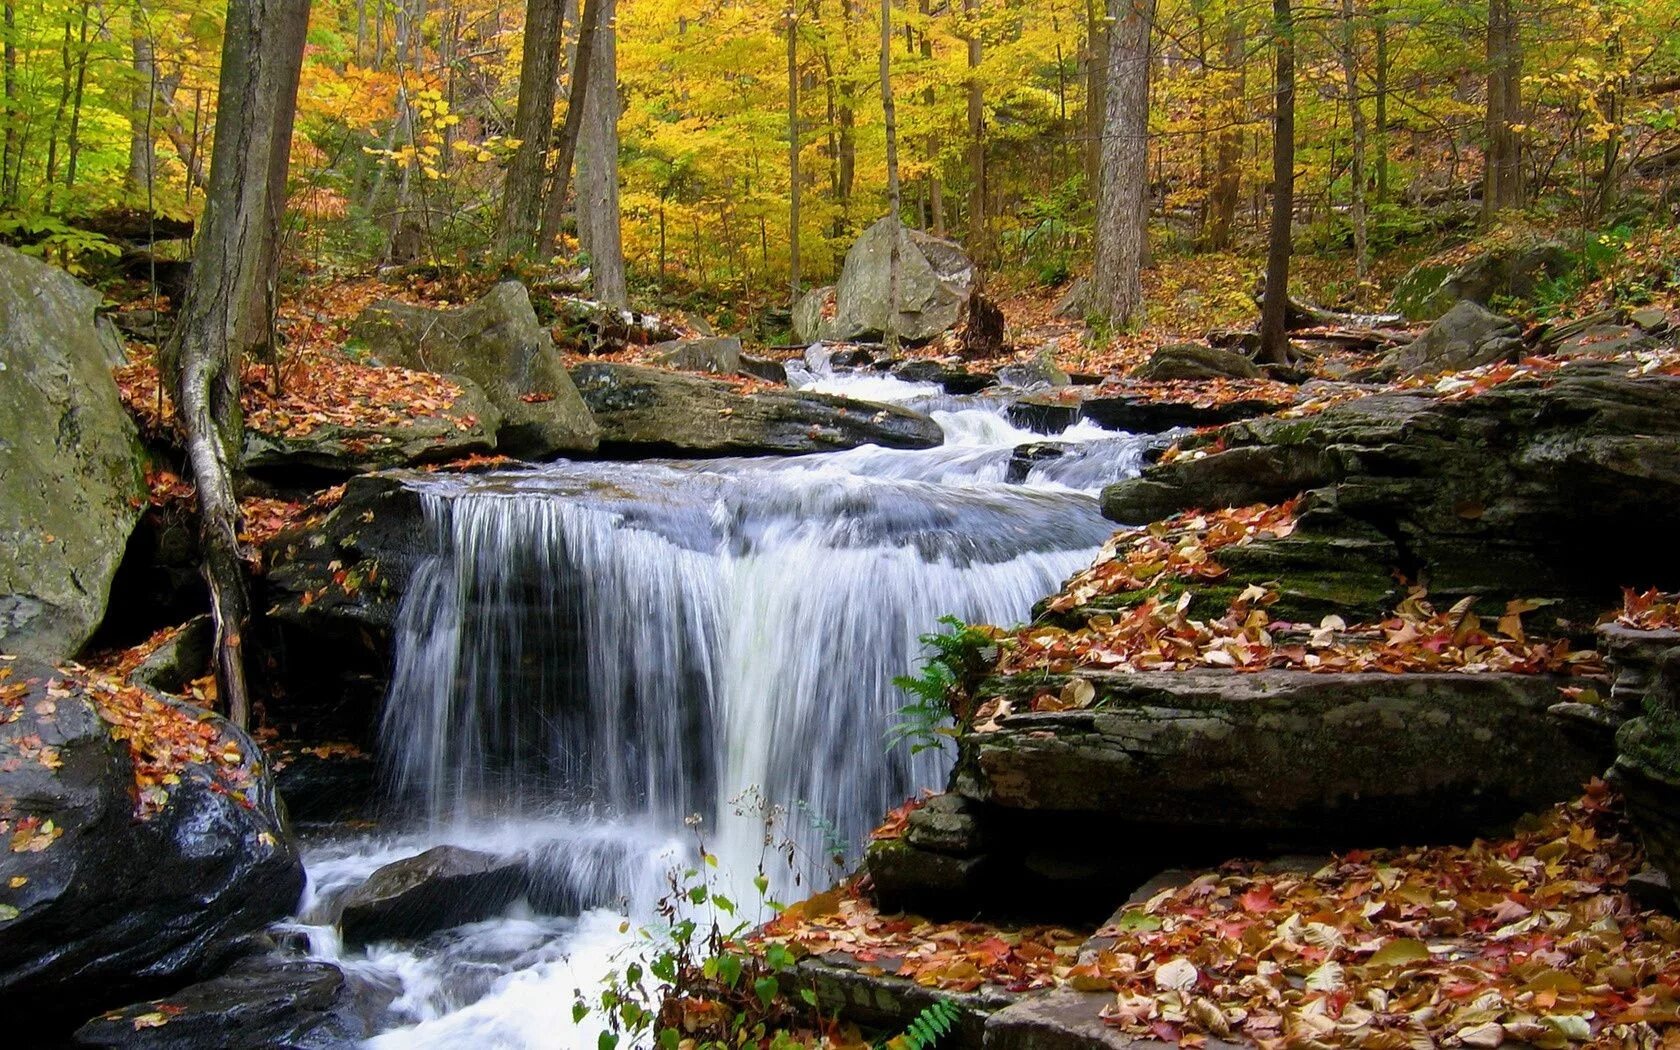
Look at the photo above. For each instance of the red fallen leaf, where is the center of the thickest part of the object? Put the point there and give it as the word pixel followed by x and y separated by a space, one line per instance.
pixel 1258 900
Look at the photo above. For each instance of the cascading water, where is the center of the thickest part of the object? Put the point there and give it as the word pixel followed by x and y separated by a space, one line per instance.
pixel 595 652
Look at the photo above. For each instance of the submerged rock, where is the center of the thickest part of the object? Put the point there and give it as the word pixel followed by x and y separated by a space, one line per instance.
pixel 442 887
pixel 97 906
pixel 649 411
pixel 70 480
pixel 499 345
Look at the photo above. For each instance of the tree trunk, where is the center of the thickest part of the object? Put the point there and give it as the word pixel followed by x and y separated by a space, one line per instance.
pixel 894 198
pixel 1356 165
pixel 565 153
pixel 979 238
pixel 598 218
pixel 1380 86
pixel 1228 143
pixel 12 162
pixel 203 354
pixel 1096 86
pixel 533 124
pixel 847 118
pixel 1123 189
pixel 142 151
pixel 793 155
pixel 1274 332
pixel 1502 179
pixel 935 184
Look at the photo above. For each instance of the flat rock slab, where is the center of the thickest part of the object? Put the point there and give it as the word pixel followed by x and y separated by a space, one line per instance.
pixel 442 887
pixel 648 411
pixel 865 995
pixel 1334 759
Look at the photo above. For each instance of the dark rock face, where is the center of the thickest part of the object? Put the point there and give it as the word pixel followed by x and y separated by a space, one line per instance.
pixel 1508 494
pixel 648 411
pixel 1195 361
pixel 442 887
pixel 70 484
pixel 1647 769
pixel 955 379
pixel 498 344
pixel 107 906
pixel 1517 271
pixel 1466 336
pixel 259 1002
pixel 464 428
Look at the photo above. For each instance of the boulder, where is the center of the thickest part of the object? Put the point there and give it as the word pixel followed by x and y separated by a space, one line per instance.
pixel 442 887
pixel 99 907
pixel 1515 271
pixel 1141 414
pixel 498 344
pixel 468 426
pixel 184 656
pixel 1466 336
pixel 1042 371
pixel 768 369
pixel 1195 361
pixel 647 411
pixel 935 279
pixel 718 355
pixel 70 461
pixel 813 315
pixel 1647 769
pixel 954 379
pixel 259 1002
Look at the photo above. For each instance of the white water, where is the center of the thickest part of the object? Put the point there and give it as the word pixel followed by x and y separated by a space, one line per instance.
pixel 596 652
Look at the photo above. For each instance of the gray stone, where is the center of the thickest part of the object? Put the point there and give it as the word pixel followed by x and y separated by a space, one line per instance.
pixel 115 907
pixel 1514 271
pixel 1062 1019
pixel 1075 301
pixel 442 887
pixel 464 428
pixel 718 355
pixel 813 316
pixel 1195 361
pixel 70 475
pixel 1037 374
pixel 650 411
pixel 498 344
pixel 765 368
pixel 185 656
pixel 1605 340
pixel 1466 336
pixel 935 280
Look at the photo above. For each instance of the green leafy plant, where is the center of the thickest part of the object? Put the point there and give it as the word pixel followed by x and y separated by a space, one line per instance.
pixel 935 1022
pixel 957 658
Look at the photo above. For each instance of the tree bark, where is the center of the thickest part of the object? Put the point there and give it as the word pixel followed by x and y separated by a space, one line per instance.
pixel 598 217
pixel 1226 191
pixel 889 112
pixel 1123 192
pixel 1274 331
pixel 589 24
pixel 1380 90
pixel 12 162
pixel 979 231
pixel 1502 177
pixel 1356 165
pixel 142 150
pixel 533 124
pixel 847 160
pixel 793 154
pixel 1096 86
pixel 935 184
pixel 203 356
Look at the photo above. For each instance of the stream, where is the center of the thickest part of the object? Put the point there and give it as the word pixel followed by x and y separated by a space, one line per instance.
pixel 601 666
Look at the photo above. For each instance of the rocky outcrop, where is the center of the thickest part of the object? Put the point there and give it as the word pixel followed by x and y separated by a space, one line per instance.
pixel 468 426
pixel 98 907
pixel 646 411
pixel 1515 271
pixel 442 887
pixel 1466 336
pixel 1647 769
pixel 70 476
pixel 1195 361
pixel 935 279
pixel 718 355
pixel 1509 494
pixel 259 1002
pixel 497 344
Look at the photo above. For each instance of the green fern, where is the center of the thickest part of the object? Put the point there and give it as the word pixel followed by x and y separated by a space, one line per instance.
pixel 936 1021
pixel 958 657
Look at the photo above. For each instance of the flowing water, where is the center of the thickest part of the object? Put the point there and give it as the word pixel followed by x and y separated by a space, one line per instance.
pixel 602 664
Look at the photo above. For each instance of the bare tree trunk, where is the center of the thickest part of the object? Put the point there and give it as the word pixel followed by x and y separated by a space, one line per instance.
pixel 979 235
pixel 1227 153
pixel 589 24
pixel 1274 333
pixel 1380 86
pixel 598 217
pixel 13 156
pixel 1123 189
pixel 793 154
pixel 533 123
pixel 1096 86
pixel 202 356
pixel 142 151
pixel 1356 165
pixel 895 261
pixel 846 162
pixel 935 184
pixel 1502 178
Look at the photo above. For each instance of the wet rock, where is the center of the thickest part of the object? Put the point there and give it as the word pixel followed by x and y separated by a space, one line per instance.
pixel 1513 271
pixel 946 824
pixel 99 907
pixel 467 427
pixel 263 1002
pixel 1044 413
pixel 1138 414
pixel 498 344
pixel 70 484
pixel 1026 457
pixel 718 355
pixel 935 279
pixel 955 379
pixel 322 783
pixel 1647 768
pixel 1195 361
pixel 1037 374
pixel 880 1001
pixel 1466 336
pixel 644 411
pixel 442 887
pixel 184 657
pixel 765 368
